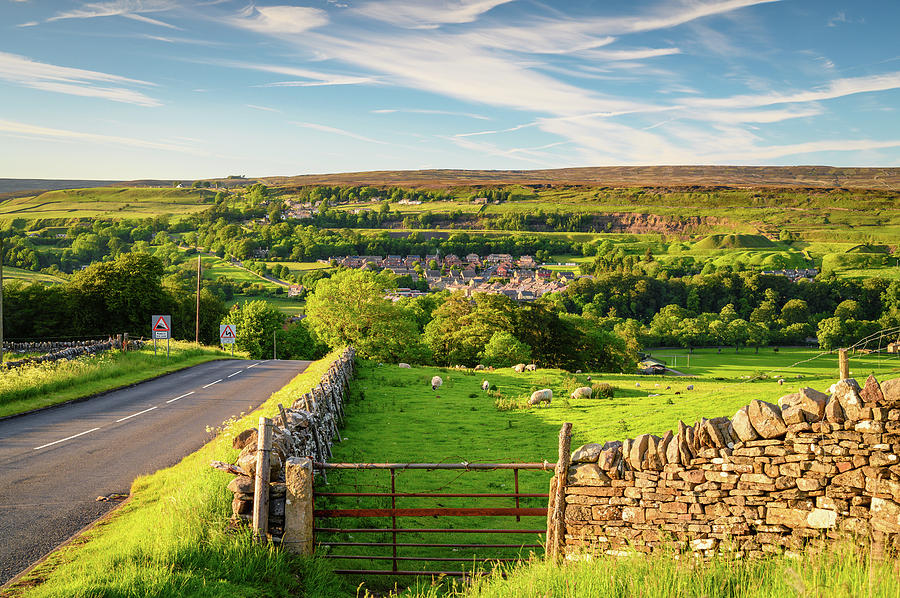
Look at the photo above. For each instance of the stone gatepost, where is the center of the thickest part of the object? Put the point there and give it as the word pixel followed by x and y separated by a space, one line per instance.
pixel 298 506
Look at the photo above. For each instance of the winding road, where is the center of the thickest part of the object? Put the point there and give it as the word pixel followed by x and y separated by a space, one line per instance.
pixel 55 463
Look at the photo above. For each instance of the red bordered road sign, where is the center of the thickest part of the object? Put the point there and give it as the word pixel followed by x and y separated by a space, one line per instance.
pixel 161 326
pixel 227 333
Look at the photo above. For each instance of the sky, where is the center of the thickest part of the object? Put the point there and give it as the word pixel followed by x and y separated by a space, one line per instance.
pixel 126 89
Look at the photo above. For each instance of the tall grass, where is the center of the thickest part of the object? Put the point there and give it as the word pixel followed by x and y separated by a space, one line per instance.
pixel 43 384
pixel 843 572
pixel 173 537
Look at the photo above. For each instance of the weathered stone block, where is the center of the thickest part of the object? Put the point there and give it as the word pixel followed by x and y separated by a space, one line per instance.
pixel 766 419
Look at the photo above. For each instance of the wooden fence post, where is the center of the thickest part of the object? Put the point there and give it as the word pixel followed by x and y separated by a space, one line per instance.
pixel 556 509
pixel 298 506
pixel 844 363
pixel 261 489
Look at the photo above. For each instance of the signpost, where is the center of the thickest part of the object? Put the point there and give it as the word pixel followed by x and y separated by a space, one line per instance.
pixel 227 335
pixel 161 327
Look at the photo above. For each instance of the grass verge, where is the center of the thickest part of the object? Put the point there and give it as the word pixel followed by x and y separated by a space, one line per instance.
pixel 41 385
pixel 173 539
pixel 845 572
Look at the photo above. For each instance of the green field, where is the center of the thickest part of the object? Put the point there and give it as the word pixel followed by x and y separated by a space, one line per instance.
pixel 109 202
pixel 289 307
pixel 11 273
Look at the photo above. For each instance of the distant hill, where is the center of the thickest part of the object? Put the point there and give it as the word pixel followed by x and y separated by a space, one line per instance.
pixel 734 242
pixel 620 176
pixel 13 185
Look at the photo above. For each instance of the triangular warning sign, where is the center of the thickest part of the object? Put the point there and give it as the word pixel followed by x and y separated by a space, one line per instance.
pixel 161 325
pixel 227 332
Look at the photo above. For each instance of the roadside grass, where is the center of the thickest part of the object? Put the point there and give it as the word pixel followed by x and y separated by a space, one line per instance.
pixel 172 537
pixel 40 385
pixel 843 572
pixel 392 415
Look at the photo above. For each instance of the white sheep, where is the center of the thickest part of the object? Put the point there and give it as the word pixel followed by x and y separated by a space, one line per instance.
pixel 540 396
pixel 530 367
pixel 485 385
pixel 479 367
pixel 403 365
pixel 584 392
pixel 519 368
pixel 436 383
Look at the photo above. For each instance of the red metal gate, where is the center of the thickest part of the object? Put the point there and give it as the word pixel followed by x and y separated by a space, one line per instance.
pixel 394 512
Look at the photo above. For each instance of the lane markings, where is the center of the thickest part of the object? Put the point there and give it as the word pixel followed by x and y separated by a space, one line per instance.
pixel 64 439
pixel 134 414
pixel 181 397
pixel 211 383
pixel 235 374
pixel 252 366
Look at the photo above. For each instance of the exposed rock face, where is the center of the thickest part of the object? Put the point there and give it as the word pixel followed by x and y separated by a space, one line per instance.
pixel 780 477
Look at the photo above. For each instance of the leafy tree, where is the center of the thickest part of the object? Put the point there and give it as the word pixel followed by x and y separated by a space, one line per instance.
pixel 795 311
pixel 350 308
pixel 847 310
pixel 504 350
pixel 257 322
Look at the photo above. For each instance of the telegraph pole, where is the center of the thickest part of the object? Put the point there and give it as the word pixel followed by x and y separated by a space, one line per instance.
pixel 197 328
pixel 1 300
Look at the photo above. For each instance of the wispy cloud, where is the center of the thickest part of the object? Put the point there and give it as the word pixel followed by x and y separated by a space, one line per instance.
pixel 35 131
pixel 280 20
pixel 336 131
pixel 311 77
pixel 263 108
pixel 29 24
pixel 426 111
pixel 834 89
pixel 427 14
pixel 131 9
pixel 26 72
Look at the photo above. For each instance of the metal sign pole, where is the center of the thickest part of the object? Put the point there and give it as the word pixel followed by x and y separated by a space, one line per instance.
pixel 154 346
pixel 167 347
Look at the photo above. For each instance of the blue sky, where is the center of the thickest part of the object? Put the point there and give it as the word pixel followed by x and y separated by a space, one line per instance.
pixel 191 89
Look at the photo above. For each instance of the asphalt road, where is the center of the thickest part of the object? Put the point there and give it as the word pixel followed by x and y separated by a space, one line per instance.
pixel 55 463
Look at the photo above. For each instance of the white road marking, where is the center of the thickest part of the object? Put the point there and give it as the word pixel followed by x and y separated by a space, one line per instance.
pixel 64 439
pixel 235 374
pixel 134 414
pixel 211 383
pixel 181 397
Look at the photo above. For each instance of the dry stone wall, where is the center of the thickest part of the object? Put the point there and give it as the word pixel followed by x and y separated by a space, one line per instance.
pixel 812 468
pixel 54 351
pixel 306 429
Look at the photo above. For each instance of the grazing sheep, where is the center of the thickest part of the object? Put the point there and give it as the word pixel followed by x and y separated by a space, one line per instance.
pixel 668 388
pixel 540 396
pixel 678 392
pixel 690 387
pixel 485 385
pixel 584 392
pixel 637 384
pixel 577 371
pixel 436 383
pixel 588 378
pixel 519 368
pixel 403 365
pixel 530 367
pixel 479 367
pixel 780 382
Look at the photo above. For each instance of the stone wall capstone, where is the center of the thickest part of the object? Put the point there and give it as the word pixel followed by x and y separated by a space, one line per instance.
pixel 812 468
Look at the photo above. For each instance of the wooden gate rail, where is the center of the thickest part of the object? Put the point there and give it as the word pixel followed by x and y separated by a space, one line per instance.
pixel 394 512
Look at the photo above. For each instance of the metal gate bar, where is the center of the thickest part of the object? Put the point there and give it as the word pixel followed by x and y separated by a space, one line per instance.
pixel 394 512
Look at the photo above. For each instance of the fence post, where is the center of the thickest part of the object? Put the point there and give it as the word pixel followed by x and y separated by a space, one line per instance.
pixel 556 509
pixel 298 506
pixel 844 363
pixel 261 489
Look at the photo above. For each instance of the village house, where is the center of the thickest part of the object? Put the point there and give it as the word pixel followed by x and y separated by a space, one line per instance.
pixel 295 290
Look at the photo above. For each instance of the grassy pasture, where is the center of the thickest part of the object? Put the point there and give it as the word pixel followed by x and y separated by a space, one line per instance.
pixel 11 273
pixel 107 202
